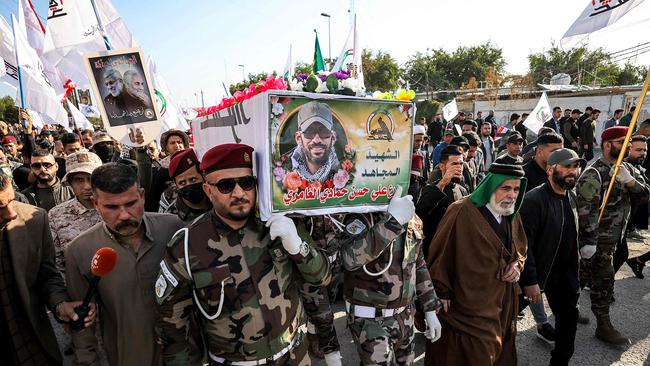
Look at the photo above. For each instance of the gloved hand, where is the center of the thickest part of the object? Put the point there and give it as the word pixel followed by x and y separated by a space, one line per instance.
pixel 401 208
pixel 434 328
pixel 624 176
pixel 587 251
pixel 283 227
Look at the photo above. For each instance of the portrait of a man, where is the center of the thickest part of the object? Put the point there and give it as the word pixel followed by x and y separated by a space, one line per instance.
pixel 314 157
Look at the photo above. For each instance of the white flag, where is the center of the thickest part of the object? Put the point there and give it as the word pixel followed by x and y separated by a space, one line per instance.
pixel 539 115
pixel 171 116
pixel 288 67
pixel 80 121
pixel 3 69
pixel 35 30
pixel 89 110
pixel 72 30
pixel 450 110
pixel 350 56
pixel 38 93
pixel 598 14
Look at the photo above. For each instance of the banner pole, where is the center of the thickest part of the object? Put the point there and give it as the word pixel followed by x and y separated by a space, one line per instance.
pixel 20 77
pixel 621 155
pixel 107 42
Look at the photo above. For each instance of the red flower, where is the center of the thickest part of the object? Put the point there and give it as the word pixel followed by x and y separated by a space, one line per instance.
pixel 347 165
pixel 328 184
pixel 315 185
pixel 304 184
pixel 239 97
pixel 284 157
pixel 292 181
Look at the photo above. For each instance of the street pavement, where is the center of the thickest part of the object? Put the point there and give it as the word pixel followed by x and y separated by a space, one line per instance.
pixel 630 313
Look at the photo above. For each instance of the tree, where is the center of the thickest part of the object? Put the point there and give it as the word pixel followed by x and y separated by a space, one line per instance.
pixel 584 67
pixel 427 109
pixel 439 69
pixel 8 110
pixel 380 71
pixel 252 79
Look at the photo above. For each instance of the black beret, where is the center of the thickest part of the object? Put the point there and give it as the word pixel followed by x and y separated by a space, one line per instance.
pixel 514 170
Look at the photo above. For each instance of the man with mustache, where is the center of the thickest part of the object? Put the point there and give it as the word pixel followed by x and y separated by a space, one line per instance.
pixel 598 241
pixel 314 156
pixel 47 191
pixel 237 276
pixel 126 295
pixel 550 218
pixel 475 269
pixel 136 87
pixel 119 103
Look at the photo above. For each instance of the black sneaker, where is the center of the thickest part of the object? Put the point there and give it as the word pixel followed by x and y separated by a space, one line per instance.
pixel 546 332
pixel 637 267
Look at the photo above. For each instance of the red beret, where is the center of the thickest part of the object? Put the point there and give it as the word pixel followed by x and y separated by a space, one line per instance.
pixel 227 156
pixel 614 133
pixel 417 162
pixel 8 139
pixel 182 161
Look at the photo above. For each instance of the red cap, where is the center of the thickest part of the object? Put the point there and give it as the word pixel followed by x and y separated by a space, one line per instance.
pixel 182 161
pixel 614 133
pixel 227 156
pixel 417 162
pixel 8 139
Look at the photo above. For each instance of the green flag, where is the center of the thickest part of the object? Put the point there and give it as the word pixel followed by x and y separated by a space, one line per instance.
pixel 319 64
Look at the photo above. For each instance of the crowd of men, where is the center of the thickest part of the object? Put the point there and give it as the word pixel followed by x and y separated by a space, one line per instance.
pixel 490 223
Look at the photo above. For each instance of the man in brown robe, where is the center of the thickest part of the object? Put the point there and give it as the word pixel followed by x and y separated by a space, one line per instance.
pixel 475 260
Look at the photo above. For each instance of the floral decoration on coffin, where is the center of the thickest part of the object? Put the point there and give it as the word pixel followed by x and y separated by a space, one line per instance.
pixel 271 83
pixel 337 82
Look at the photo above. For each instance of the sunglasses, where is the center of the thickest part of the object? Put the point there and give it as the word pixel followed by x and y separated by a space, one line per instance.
pixel 310 133
pixel 37 166
pixel 226 186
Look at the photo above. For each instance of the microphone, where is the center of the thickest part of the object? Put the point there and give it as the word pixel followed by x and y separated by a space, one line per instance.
pixel 102 264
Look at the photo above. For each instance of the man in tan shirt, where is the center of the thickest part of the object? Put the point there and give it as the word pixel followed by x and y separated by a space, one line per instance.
pixel 125 297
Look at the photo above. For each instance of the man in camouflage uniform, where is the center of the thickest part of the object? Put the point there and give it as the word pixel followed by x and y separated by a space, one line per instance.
pixel 231 272
pixel 77 215
pixel 598 241
pixel 318 300
pixel 385 272
pixel 185 198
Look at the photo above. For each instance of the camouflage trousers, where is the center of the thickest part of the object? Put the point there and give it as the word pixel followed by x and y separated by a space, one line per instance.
pixel 384 341
pixel 601 268
pixel 296 357
pixel 318 302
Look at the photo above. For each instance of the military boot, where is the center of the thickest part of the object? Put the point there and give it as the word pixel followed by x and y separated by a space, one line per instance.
pixel 314 347
pixel 605 332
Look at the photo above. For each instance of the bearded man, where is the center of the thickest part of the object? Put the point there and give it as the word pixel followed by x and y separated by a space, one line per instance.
pixel 314 156
pixel 479 291
pixel 135 85
pixel 550 219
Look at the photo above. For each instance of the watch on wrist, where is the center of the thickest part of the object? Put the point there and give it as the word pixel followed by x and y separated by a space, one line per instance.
pixel 304 249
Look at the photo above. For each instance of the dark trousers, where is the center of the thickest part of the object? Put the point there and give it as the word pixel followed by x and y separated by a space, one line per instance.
pixel 563 302
pixel 621 254
pixel 587 154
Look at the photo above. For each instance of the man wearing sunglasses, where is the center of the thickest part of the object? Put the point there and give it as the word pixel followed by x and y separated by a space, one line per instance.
pixel 47 191
pixel 598 241
pixel 314 157
pixel 237 276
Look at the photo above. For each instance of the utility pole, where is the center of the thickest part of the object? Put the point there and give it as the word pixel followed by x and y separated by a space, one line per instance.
pixel 329 34
pixel 202 101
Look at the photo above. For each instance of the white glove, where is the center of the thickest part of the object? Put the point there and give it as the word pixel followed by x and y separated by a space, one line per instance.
pixel 434 328
pixel 283 227
pixel 624 176
pixel 333 358
pixel 587 251
pixel 401 208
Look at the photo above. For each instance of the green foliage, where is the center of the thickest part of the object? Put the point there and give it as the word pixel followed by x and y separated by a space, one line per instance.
pixel 252 79
pixel 380 71
pixel 427 109
pixel 584 66
pixel 8 110
pixel 439 69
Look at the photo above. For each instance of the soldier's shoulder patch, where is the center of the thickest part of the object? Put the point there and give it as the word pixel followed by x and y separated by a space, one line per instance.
pixel 356 227
pixel 588 188
pixel 168 274
pixel 161 286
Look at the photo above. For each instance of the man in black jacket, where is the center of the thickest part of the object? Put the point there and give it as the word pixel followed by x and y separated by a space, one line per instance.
pixel 550 220
pixel 554 122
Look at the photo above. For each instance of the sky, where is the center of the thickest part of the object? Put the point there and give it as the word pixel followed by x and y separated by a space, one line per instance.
pixel 199 44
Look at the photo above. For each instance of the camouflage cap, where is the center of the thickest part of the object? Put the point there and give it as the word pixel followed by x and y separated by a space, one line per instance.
pixel 101 137
pixel 81 162
pixel 314 112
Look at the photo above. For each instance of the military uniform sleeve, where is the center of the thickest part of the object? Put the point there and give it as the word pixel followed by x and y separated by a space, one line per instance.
pixel 367 244
pixel 174 295
pixel 424 290
pixel 49 277
pixel 85 342
pixel 313 264
pixel 588 202
pixel 59 252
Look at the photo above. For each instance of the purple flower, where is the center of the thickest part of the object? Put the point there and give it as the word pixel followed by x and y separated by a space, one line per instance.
pixel 341 179
pixel 302 76
pixel 322 77
pixel 341 75
pixel 279 173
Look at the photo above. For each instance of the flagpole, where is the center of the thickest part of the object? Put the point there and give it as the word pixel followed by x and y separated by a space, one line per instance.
pixel 20 77
pixel 621 155
pixel 107 42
